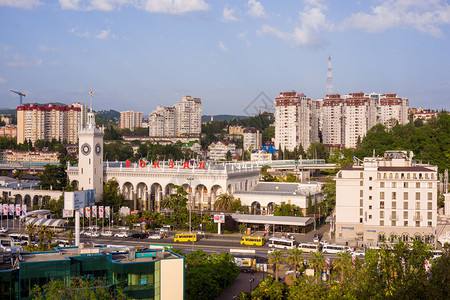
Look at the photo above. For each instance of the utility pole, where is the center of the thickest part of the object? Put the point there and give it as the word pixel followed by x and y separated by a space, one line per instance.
pixel 190 203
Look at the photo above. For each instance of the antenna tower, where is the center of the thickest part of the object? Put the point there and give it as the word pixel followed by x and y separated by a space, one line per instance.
pixel 329 77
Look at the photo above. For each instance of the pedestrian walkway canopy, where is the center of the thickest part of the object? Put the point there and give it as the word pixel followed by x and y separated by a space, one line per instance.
pixel 288 224
pixel 46 222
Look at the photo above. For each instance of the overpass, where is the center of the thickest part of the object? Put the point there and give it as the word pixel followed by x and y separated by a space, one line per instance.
pixel 30 197
pixel 294 164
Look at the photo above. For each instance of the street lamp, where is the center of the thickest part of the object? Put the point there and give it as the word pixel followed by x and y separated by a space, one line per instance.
pixel 190 202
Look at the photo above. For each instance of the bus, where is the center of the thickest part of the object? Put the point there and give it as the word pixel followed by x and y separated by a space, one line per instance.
pixel 282 243
pixel 185 237
pixel 252 240
pixel 335 248
pixel 308 247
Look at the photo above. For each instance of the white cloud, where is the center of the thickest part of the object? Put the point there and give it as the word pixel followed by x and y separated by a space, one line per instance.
pixel 175 7
pixel 228 15
pixel 19 61
pixel 86 5
pixel 222 47
pixel 44 48
pixel 79 34
pixel 424 16
pixel 3 80
pixel 312 22
pixel 243 36
pixel 106 35
pixel 256 9
pixel 22 4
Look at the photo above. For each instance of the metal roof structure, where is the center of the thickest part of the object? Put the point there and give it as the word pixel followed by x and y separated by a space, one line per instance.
pixel 270 219
pixel 46 222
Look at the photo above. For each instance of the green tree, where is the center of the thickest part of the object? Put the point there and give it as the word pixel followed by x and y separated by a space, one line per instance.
pixel 70 237
pixel 54 177
pixel 49 233
pixel 343 265
pixel 30 230
pixel 317 151
pixel 224 202
pixel 295 258
pixel 276 258
pixel 318 263
pixel 310 208
pixel 111 196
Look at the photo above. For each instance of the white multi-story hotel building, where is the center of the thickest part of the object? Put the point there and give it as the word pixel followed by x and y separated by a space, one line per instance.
pixel 183 119
pixel 294 121
pixel 47 122
pixel 386 197
pixel 130 119
pixel 252 139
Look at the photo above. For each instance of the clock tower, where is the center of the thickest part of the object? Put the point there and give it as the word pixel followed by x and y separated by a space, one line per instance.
pixel 90 156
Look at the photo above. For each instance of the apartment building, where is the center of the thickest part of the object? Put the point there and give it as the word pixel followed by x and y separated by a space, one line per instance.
pixel 392 110
pixel 130 119
pixel 218 150
pixel 83 113
pixel 9 130
pixel 390 197
pixel 39 157
pixel 182 119
pixel 294 121
pixel 47 122
pixel 252 139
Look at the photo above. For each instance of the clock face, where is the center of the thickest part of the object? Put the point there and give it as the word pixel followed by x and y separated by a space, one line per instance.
pixel 98 149
pixel 86 149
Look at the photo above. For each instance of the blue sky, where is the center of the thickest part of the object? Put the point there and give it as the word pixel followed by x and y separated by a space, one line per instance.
pixel 137 54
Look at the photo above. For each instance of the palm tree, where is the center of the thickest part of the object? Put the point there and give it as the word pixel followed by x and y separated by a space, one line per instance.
pixel 224 202
pixel 41 233
pixel 49 236
pixel 30 229
pixel 343 263
pixel 295 257
pixel 318 262
pixel 276 258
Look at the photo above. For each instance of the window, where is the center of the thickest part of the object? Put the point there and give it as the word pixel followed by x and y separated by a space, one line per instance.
pixel 394 205
pixel 370 188
pixel 370 216
pixel 418 205
pixel 370 178
pixel 430 185
pixel 360 220
pixel 361 202
pixel 394 195
pixel 405 215
pixel 394 184
pixel 430 205
pixel 381 222
pixel 379 175
pixel 393 223
pixel 417 185
pixel 370 206
pixel 405 196
pixel 381 184
pixel 430 196
pixel 405 223
pixel 429 215
pixel 382 204
pixel 426 175
pixel 361 193
pixel 361 183
pixel 381 214
pixel 408 176
pixel 417 223
pixel 360 211
pixel 361 175
pixel 405 185
pixel 405 205
pixel 430 223
pixel 382 195
pixel 370 197
pixel 417 195
pixel 390 175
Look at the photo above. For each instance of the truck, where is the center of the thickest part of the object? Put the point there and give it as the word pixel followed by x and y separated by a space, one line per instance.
pixel 8 252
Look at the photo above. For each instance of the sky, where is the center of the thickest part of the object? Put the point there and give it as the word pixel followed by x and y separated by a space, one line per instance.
pixel 137 54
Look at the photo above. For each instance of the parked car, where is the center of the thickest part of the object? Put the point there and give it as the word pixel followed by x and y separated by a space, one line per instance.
pixel 358 253
pixel 106 233
pixel 317 237
pixel 95 234
pixel 139 236
pixel 121 234
pixel 3 229
pixel 94 227
pixel 155 236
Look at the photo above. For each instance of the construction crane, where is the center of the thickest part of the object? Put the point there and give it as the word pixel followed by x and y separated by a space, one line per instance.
pixel 265 107
pixel 20 94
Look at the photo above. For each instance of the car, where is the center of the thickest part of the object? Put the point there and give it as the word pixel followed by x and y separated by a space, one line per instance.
pixel 317 237
pixel 3 229
pixel 94 227
pixel 139 236
pixel 121 234
pixel 95 234
pixel 271 250
pixel 358 253
pixel 106 233
pixel 324 243
pixel 155 236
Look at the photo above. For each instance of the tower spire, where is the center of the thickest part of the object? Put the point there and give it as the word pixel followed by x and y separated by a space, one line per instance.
pixel 91 93
pixel 91 115
pixel 329 77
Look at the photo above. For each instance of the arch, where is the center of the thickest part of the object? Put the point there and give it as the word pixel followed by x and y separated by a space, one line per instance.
pixel 270 208
pixel 168 190
pixel 128 193
pixel 417 236
pixel 420 175
pixel 378 175
pixel 201 196
pixel 426 175
pixel 35 202
pixel 405 237
pixel 255 208
pixel 390 175
pixel 414 176
pixel 156 195
pixel 432 175
pixel 229 189
pixel 18 198
pixel 26 200
pixel 384 176
pixel 381 236
pixel 75 184
pixel 396 175
pixel 428 238
pixel 215 191
pixel 408 176
pixel 142 196
pixel 402 176
pixel 393 238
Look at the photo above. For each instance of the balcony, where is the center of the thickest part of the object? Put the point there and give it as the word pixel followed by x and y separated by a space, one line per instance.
pixel 417 218
pixel 393 218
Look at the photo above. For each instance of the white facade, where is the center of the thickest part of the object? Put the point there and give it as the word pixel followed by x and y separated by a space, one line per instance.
pixel 385 197
pixel 130 119
pixel 252 139
pixel 260 155
pixel 218 150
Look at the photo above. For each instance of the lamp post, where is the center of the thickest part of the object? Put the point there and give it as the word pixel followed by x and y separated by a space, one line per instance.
pixel 190 202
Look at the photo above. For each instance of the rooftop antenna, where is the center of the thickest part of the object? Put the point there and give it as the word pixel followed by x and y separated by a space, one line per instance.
pixel 329 77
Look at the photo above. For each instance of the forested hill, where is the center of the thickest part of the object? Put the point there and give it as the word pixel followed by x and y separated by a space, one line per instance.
pixel 207 118
pixel 429 142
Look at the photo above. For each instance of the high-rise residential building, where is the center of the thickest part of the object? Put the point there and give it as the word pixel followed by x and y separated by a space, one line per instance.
pixel 47 122
pixel 182 119
pixel 346 119
pixel 252 138
pixel 294 123
pixel 130 119
pixel 189 116
pixel 390 197
pixel 83 113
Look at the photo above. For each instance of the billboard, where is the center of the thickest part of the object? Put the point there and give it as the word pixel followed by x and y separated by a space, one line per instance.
pixel 100 212
pixel 67 213
pixel 219 218
pixel 80 199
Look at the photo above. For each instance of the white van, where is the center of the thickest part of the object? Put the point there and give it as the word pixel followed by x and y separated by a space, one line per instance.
pixel 335 248
pixel 309 247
